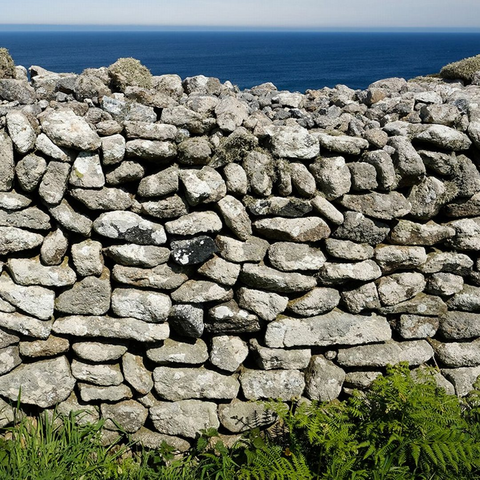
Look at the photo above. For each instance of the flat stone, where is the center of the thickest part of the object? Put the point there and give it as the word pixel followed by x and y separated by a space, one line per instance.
pixel 333 273
pixel 26 325
pixel 328 210
pixel 150 131
pixel 360 229
pixel 293 142
pixel 231 113
pixel 136 374
pixel 258 276
pixel 109 327
pixel 228 352
pixel 289 257
pixel 229 318
pixel 342 143
pixel 14 201
pixel 29 170
pixel 444 284
pixel 98 351
pixel 54 248
pixel 467 232
pixel 152 150
pixel 240 416
pixel 68 130
pixel 29 271
pixel 54 183
pixel 71 220
pixel 21 131
pixel 332 175
pixel 235 179
pixel 455 325
pixel 185 418
pixel 162 277
pixel 105 199
pixel 362 298
pixel 220 271
pixel 129 415
pixel 187 320
pixel 203 186
pixel 89 296
pixel 307 229
pixel 14 90
pixel 302 180
pixel 128 111
pixel 170 207
pixel 92 393
pixel 324 379
pixel 194 223
pixel 361 380
pixel 173 352
pixel 183 117
pixel 415 352
pixel 185 383
pixel 384 206
pixel 44 383
pixel 411 233
pixel 458 354
pixel 417 326
pixel 99 374
pixel 127 171
pixel 393 257
pixel 253 249
pixel 36 301
pixel 130 227
pixel 193 251
pixel 464 207
pixel 7 164
pixel 317 301
pixel 289 207
pixel 32 218
pixel 467 300
pixel 113 149
pixel 44 145
pixel 421 304
pixel 280 359
pixel 87 258
pixel 333 328
pixel 445 137
pixel 266 305
pixel 159 184
pixel 138 255
pixel 141 304
pixel 87 171
pixel 399 287
pixel 200 291
pixel 153 440
pixel 235 217
pixel 279 384
pixel 347 250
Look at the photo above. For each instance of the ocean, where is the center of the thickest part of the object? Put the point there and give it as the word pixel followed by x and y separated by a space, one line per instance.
pixel 294 61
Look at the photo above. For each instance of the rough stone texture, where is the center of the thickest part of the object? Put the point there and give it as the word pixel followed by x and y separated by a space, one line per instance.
pixel 51 347
pixel 399 287
pixel 141 304
pixel 26 325
pixel 391 257
pixel 173 352
pixel 193 223
pixel 333 273
pixel 220 271
pixel 332 175
pixel 187 320
pixel 347 250
pixel 129 415
pixel 241 416
pixel 193 251
pixel 29 170
pixel 458 354
pixel 134 255
pixel 203 186
pixel 252 250
pixel 99 351
pixel 7 165
pixel 160 277
pixel 317 301
pixel 31 272
pixel 69 219
pixel 54 248
pixel 227 352
pixel 21 131
pixel 289 256
pixel 228 318
pixel 201 291
pixel 279 384
pixel 87 258
pixel 276 358
pixel 266 305
pixel 293 142
pixel 98 374
pixel 324 380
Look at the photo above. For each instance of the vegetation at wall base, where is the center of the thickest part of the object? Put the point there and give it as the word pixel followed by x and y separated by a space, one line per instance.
pixel 405 427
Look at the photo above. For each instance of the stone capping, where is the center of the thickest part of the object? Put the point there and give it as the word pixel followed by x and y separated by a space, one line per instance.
pixel 172 250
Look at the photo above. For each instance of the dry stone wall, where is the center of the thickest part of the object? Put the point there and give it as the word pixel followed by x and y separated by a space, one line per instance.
pixel 171 250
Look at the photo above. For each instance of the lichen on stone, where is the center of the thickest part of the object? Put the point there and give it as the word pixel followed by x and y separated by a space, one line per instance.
pixel 7 66
pixel 129 71
pixel 463 69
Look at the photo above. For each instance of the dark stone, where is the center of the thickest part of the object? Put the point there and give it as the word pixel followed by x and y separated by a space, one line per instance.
pixel 193 251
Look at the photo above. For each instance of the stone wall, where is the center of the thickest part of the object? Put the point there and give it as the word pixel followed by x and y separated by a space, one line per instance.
pixel 171 250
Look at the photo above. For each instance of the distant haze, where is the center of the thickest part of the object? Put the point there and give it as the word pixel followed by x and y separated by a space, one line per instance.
pixel 312 14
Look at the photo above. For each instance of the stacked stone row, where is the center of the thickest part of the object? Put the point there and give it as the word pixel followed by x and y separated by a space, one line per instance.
pixel 170 253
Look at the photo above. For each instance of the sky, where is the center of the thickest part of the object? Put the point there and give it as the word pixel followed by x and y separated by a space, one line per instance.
pixel 291 14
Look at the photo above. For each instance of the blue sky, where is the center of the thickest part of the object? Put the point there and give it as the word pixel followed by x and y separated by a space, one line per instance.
pixel 248 13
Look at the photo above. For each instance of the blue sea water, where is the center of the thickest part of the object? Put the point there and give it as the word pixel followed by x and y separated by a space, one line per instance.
pixel 294 61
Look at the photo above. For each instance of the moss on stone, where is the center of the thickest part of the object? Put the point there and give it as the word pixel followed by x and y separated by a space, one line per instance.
pixel 7 66
pixel 129 72
pixel 463 69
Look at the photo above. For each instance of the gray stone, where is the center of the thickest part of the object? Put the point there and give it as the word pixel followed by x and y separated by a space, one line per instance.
pixel 444 284
pixel 399 287
pixel 228 352
pixel 293 142
pixel 54 248
pixel 187 320
pixel 170 207
pixel 29 170
pixel 54 183
pixel 361 380
pixel 220 271
pixel 193 223
pixel 411 233
pixel 288 257
pixel 138 255
pixel 342 143
pixel 98 351
pixel 364 176
pixel 29 271
pixel 259 276
pixel 185 383
pixel 324 380
pixel 317 301
pixel 289 207
pixel 347 250
pixel 332 175
pixel 84 414
pixel 31 218
pixel 266 305
pixel 141 304
pixel 183 117
pixel 328 210
pixel 203 186
pixel 127 171
pixel 129 415
pixel 467 300
pixel 466 178
pixel 9 359
pixel 409 167
pixel 235 179
pixel 427 198
pixel 228 318
pixel 444 164
pixel 364 297
pixel 15 240
pixel 458 354
pixel 128 111
pixel 421 304
pixel 36 301
pixel 417 326
pixel 26 325
pixel 193 250
pixel 19 91
pixel 384 206
pixel 201 85
pixel 150 131
pixel 159 184
pixel 361 229
pixel 6 307
pixel 87 258
pixel 333 273
pixel 21 131
pixel 455 325
pixel 109 327
pixel 415 352
pixel 153 440
pixel 173 352
pixel 113 149
pixel 13 201
pixel 277 358
pixel 333 328
pixel 253 249
pixel 130 227
pixel 302 180
pixel 462 378
pixel 240 416
pixel 105 199
pixel 152 150
pixel 43 383
pixel 259 169
pixel 200 291
pixel 445 138
pixel 7 339
pixel 467 232
pixel 384 167
pixel 68 130
pixel 235 217
pixel 162 277
pixel 44 145
pixel 464 207
pixel 392 257
pixel 231 113
pixel 185 418
pixel 279 384
pixel 89 296
pixel 99 374
pixel 71 220
pixel 309 229
pixel 87 171
pixel 92 393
